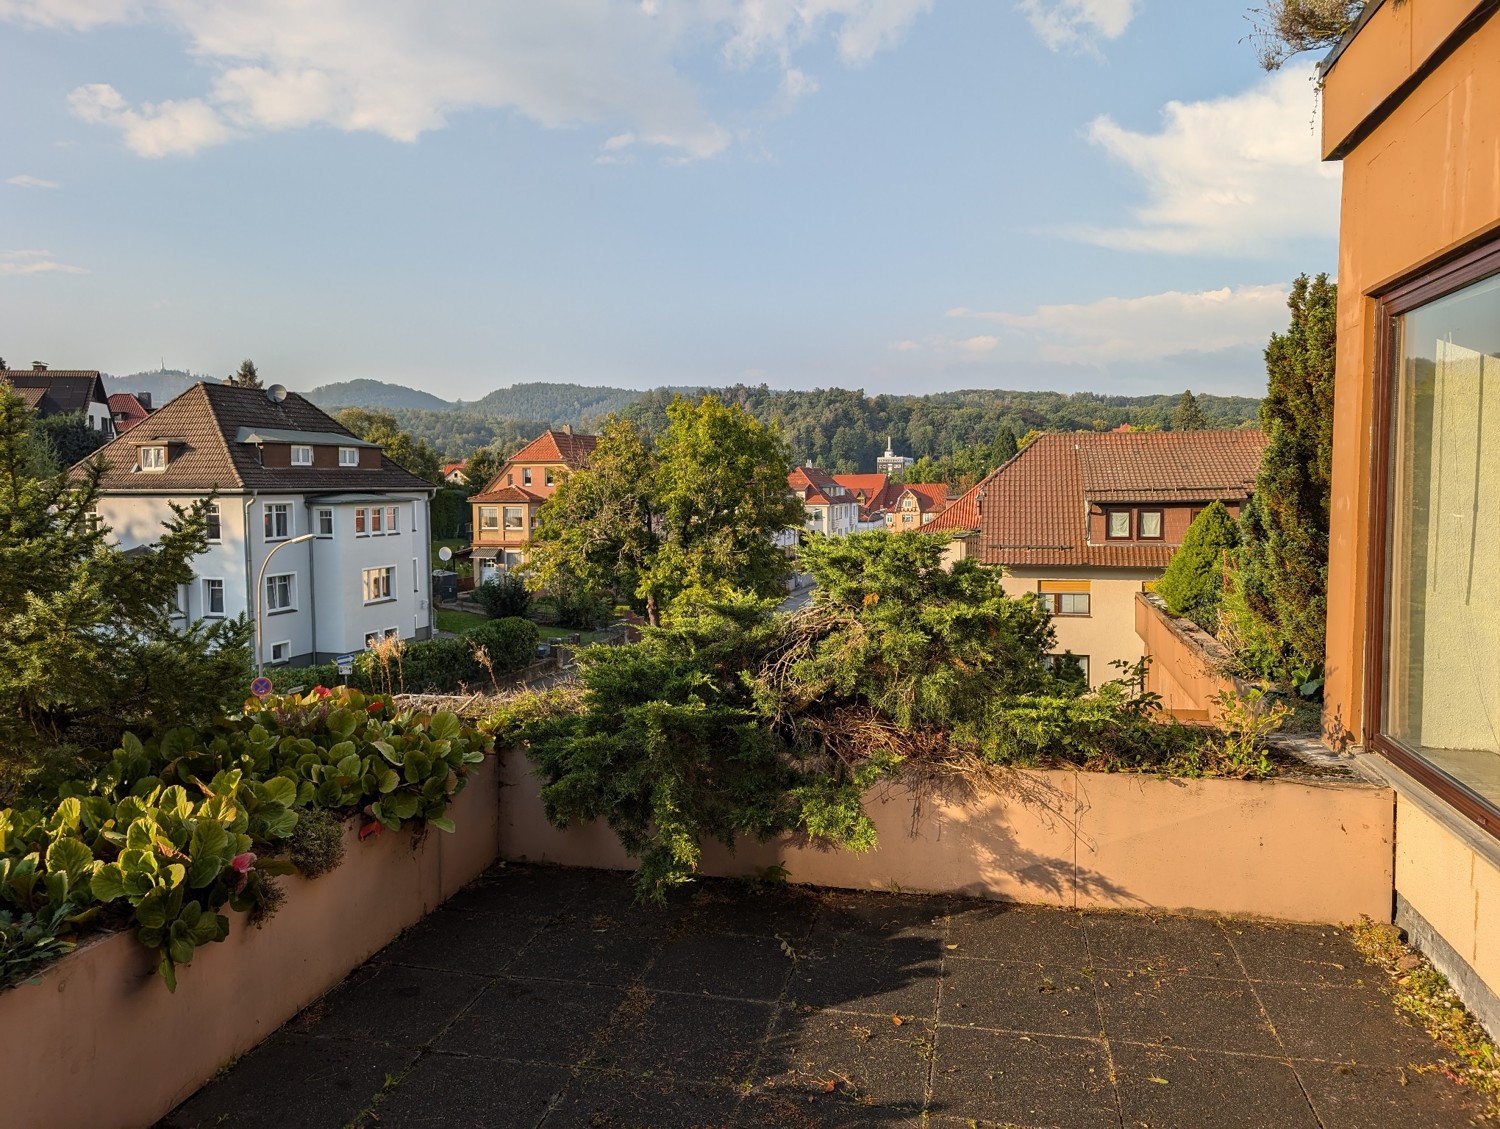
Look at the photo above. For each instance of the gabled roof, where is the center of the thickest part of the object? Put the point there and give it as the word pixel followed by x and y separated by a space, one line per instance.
pixel 877 489
pixel 1034 509
pixel 449 468
pixel 565 447
pixel 126 410
pixel 205 429
pixel 70 390
pixel 931 496
pixel 1167 466
pixel 818 487
pixel 961 516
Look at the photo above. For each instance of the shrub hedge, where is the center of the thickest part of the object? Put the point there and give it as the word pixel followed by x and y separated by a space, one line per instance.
pixel 432 666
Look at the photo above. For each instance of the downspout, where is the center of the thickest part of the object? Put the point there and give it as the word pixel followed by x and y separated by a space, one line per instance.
pixel 312 574
pixel 249 569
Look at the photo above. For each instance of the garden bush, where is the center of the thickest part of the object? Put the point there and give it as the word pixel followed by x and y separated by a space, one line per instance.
pixel 503 595
pixel 173 829
pixel 1193 585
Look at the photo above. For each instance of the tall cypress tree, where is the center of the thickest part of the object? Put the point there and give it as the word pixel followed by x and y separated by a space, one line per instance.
pixel 1188 416
pixel 1281 587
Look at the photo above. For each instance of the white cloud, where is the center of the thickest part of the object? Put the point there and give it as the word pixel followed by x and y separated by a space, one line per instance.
pixel 1077 24
pixel 403 67
pixel 985 343
pixel 906 346
pixel 34 262
pixel 155 130
pixel 21 180
pixel 1234 176
pixel 1148 328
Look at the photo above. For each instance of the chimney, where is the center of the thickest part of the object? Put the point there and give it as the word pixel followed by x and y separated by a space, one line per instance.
pixel 145 399
pixel 567 429
pixel 38 366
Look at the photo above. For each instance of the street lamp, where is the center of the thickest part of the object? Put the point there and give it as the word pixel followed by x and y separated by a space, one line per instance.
pixel 260 581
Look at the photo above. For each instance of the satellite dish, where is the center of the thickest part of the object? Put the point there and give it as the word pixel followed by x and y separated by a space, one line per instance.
pixel 445 554
pixel 276 393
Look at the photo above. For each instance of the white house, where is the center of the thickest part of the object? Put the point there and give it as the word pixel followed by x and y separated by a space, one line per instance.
pixel 330 534
pixel 831 509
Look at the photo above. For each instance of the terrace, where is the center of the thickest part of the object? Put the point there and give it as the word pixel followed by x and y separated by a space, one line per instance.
pixel 542 996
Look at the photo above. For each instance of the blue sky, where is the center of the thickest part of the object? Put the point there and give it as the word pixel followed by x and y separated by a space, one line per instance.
pixel 896 195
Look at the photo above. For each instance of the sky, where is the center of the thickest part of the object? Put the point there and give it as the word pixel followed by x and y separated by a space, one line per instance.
pixel 903 196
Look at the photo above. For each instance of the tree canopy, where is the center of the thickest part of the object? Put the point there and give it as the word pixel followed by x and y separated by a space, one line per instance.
pixel 1193 584
pixel 246 376
pixel 692 514
pixel 90 640
pixel 381 427
pixel 1188 416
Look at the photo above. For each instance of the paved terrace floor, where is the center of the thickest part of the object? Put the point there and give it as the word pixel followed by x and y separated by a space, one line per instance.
pixel 545 997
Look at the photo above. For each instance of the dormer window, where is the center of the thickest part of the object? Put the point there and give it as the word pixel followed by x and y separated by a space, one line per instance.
pixel 1149 525
pixel 1119 525
pixel 153 458
pixel 348 456
pixel 301 455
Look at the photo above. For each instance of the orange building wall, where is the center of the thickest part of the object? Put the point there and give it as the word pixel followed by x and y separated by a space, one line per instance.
pixel 1424 183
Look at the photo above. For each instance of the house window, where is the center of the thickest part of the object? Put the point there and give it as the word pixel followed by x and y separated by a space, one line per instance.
pixel 393 519
pixel 378 584
pixel 281 652
pixel 278 521
pixel 377 520
pixel 301 455
pixel 489 517
pixel 361 520
pixel 95 521
pixel 153 458
pixel 371 638
pixel 281 592
pixel 1149 525
pixel 213 598
pixel 215 526
pixel 512 560
pixel 1435 691
pixel 515 519
pixel 526 476
pixel 1117 525
pixel 348 456
pixel 548 473
pixel 1068 665
pixel 1065 597
pixel 325 523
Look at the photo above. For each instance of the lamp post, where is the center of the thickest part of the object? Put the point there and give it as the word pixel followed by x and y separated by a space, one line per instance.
pixel 260 580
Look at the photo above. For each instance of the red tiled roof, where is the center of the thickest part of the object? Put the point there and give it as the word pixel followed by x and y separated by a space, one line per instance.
pixel 126 410
pixel 931 496
pixel 564 447
pixel 507 494
pixel 448 468
pixel 818 486
pixel 1034 509
pixel 961 515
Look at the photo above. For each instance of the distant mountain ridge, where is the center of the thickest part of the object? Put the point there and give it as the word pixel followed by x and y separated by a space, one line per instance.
pixel 364 393
pixel 162 384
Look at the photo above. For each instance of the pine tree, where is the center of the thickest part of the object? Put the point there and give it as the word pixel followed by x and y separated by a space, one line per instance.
pixel 89 645
pixel 1193 584
pixel 246 376
pixel 1004 448
pixel 1188 416
pixel 1280 600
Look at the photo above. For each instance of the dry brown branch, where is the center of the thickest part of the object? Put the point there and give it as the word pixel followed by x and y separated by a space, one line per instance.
pixel 1284 28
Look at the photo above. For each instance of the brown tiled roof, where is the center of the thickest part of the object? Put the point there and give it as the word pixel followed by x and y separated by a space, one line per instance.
pixel 961 515
pixel 126 410
pixel 1167 466
pixel 38 401
pixel 71 390
pixel 818 486
pixel 565 447
pixel 931 496
pixel 1034 509
pixel 507 494
pixel 201 427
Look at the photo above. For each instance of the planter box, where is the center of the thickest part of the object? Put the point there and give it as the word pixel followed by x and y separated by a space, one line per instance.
pixel 100 1043
pixel 1288 849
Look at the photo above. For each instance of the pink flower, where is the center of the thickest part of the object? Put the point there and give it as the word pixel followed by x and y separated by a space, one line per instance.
pixel 322 691
pixel 243 864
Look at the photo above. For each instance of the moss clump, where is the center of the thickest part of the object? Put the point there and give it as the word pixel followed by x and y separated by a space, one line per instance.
pixel 317 843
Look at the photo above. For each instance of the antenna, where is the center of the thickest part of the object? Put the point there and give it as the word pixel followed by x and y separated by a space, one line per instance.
pixel 276 393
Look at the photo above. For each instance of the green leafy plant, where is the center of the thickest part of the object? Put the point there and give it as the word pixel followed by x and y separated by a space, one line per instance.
pixel 1247 720
pixel 28 940
pixel 503 595
pixel 1193 584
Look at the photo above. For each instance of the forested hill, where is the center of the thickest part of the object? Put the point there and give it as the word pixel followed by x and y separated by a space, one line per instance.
pixel 375 394
pixel 577 404
pixel 163 384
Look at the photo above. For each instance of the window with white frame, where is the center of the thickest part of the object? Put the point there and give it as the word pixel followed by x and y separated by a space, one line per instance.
pixel 348 456
pixel 325 523
pixel 515 519
pixel 489 517
pixel 379 584
pixel 550 480
pixel 215 526
pixel 153 458
pixel 281 652
pixel 213 598
pixel 281 592
pixel 526 476
pixel 377 520
pixel 361 522
pixel 301 455
pixel 278 521
pixel 393 519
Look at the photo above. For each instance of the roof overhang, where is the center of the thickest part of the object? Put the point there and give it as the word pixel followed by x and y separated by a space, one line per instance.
pixel 281 435
pixel 350 498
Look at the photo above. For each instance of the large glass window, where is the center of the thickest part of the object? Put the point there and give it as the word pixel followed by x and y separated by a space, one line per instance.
pixel 1440 697
pixel 278 521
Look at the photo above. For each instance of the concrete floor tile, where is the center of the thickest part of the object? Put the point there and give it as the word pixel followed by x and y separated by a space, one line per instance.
pixel 1164 1088
pixel 449 1092
pixel 1358 1025
pixel 849 917
pixel 478 942
pixel 1183 1011
pixel 752 968
pixel 1160 943
pixel 1018 997
pixel 1369 1097
pixel 597 954
pixel 598 1100
pixel 691 1038
pixel 1017 934
pixel 1299 954
pixel 390 1003
pixel 1013 1079
pixel 533 1021
pixel 897 977
pixel 867 1060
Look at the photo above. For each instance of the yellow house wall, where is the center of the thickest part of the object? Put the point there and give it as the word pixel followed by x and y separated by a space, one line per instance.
pixel 1108 631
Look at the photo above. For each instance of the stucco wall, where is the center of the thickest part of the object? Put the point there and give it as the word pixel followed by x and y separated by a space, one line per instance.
pixel 1187 664
pixel 100 1043
pixel 1067 839
pixel 1108 631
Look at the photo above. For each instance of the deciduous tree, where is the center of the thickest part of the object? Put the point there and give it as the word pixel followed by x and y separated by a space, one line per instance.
pixel 381 428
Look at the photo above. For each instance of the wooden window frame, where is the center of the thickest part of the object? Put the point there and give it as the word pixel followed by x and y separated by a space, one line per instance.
pixel 1434 281
pixel 1129 525
pixel 1161 527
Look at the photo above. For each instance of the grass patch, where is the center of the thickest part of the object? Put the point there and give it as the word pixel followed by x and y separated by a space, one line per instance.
pixel 1425 993
pixel 461 623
